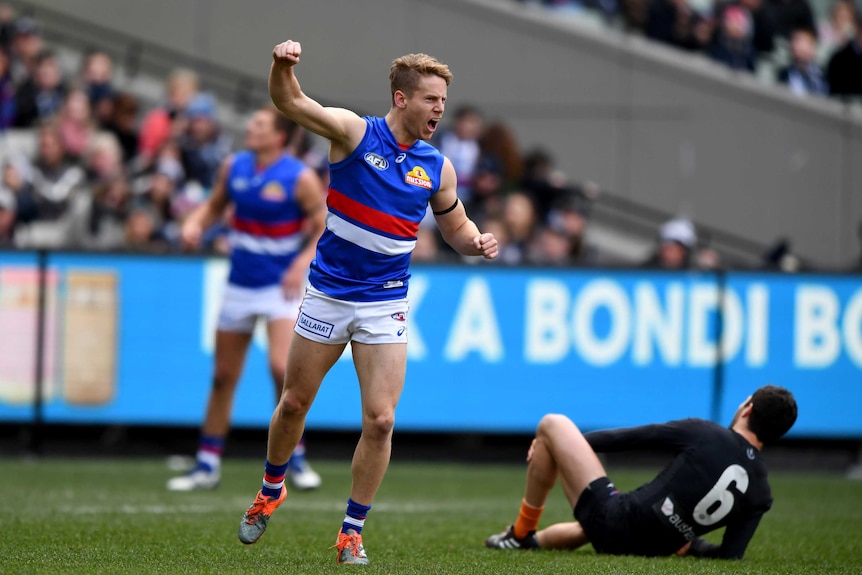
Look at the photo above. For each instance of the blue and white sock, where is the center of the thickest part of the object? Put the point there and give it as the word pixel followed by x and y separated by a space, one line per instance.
pixel 273 479
pixel 209 453
pixel 355 516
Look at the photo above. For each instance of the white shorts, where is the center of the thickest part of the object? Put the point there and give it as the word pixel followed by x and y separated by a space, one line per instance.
pixel 328 320
pixel 242 306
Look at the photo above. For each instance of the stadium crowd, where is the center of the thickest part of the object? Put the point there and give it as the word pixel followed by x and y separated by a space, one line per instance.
pixel 86 165
pixel 810 50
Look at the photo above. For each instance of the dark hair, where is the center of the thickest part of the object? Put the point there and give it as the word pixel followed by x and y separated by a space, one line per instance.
pixel 773 413
pixel 282 123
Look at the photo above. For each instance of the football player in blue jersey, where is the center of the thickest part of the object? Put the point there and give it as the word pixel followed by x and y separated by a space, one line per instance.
pixel 383 177
pixel 278 215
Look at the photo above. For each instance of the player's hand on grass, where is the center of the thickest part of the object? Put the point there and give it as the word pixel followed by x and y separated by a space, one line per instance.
pixel 683 551
pixel 287 53
pixel 486 245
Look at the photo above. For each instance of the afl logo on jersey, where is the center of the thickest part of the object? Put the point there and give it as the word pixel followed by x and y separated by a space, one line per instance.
pixel 418 177
pixel 377 161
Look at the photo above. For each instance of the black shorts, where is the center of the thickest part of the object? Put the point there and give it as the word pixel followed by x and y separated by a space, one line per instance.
pixel 603 513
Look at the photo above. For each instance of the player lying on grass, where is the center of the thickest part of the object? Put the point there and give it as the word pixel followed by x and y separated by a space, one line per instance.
pixel 716 479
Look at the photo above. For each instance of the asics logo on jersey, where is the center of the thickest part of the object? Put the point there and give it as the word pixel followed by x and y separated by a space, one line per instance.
pixel 418 177
pixel 400 158
pixel 376 161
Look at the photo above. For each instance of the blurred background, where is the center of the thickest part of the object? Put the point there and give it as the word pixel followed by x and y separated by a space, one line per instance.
pixel 677 186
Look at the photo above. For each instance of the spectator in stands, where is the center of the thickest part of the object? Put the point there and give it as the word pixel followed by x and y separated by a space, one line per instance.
pixel 27 45
pixel 461 145
pixel 108 193
pixel 672 22
pixel 42 96
pixel 763 26
pixel 676 245
pixel 166 122
pixel 802 74
pixel 7 27
pixel 75 124
pixel 14 183
pixel 834 32
pixel 519 218
pixel 845 66
pixel 732 45
pixel 498 141
pixel 46 207
pixel 486 199
pixel 203 146
pixel 123 124
pixel 97 78
pixel 568 218
pixel 7 93
pixel 635 16
pixel 141 233
pixel 790 15
pixel 542 182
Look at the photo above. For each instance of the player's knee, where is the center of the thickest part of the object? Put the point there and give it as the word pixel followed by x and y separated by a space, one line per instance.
pixel 224 379
pixel 292 404
pixel 551 423
pixel 378 426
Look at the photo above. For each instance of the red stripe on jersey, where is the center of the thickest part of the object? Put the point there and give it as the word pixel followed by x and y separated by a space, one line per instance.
pixel 370 217
pixel 279 230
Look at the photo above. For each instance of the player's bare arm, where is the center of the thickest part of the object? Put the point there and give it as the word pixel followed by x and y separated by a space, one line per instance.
pixel 458 230
pixel 343 128
pixel 208 212
pixel 310 196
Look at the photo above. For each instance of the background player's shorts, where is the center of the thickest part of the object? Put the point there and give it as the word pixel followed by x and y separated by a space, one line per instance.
pixel 603 513
pixel 328 320
pixel 242 306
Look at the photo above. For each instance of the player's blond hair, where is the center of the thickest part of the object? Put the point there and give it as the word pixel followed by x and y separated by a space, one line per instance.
pixel 406 71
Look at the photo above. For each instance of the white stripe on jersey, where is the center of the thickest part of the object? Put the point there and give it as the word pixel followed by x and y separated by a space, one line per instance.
pixel 266 246
pixel 365 239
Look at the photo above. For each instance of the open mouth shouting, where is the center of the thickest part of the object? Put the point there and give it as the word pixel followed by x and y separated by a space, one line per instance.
pixel 432 124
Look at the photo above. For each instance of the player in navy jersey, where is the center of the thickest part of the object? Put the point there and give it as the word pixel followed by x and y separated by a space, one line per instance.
pixel 715 479
pixel 383 177
pixel 278 215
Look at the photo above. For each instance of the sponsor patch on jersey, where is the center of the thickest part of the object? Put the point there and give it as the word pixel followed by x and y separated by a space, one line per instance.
pixel 399 316
pixel 273 191
pixel 418 177
pixel 378 162
pixel 315 326
pixel 668 510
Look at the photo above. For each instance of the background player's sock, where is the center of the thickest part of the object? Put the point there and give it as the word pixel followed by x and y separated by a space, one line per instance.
pixel 355 516
pixel 528 520
pixel 209 453
pixel 273 479
pixel 297 458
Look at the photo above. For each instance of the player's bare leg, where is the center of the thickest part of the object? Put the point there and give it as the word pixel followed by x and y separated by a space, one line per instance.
pixel 566 535
pixel 381 369
pixel 230 352
pixel 559 450
pixel 307 364
pixel 279 333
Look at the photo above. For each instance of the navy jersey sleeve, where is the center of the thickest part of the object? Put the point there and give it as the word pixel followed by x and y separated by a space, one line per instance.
pixel 668 436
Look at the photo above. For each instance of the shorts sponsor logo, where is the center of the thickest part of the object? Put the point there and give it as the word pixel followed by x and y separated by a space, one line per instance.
pixel 401 331
pixel 393 284
pixel 418 177
pixel 376 161
pixel 315 326
pixel 399 316
pixel 667 509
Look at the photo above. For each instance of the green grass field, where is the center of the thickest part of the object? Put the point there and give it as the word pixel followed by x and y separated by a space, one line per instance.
pixel 114 516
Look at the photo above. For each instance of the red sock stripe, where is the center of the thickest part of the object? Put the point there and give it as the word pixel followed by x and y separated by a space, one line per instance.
pixel 273 478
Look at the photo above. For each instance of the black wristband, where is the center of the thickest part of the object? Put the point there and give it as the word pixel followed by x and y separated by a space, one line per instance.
pixel 447 210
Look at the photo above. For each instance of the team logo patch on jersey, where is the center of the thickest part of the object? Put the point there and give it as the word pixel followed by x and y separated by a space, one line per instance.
pixel 273 191
pixel 377 161
pixel 418 177
pixel 399 316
